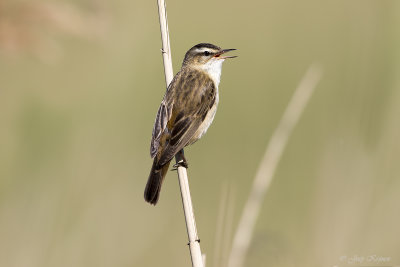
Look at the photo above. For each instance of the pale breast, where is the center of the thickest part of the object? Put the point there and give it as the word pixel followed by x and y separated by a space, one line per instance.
pixel 206 122
pixel 213 69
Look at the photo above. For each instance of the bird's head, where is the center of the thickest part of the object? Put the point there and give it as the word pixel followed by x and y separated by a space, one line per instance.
pixel 205 54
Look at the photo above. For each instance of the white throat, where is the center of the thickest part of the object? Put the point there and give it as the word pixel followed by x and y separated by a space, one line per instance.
pixel 213 67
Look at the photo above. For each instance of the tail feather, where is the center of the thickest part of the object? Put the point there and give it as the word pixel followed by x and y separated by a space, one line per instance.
pixel 153 186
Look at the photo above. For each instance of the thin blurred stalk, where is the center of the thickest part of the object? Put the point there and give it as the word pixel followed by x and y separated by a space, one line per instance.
pixel 224 225
pixel 194 242
pixel 229 213
pixel 221 219
pixel 266 170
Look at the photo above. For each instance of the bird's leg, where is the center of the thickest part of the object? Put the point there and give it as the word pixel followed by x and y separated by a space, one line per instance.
pixel 181 163
pixel 184 162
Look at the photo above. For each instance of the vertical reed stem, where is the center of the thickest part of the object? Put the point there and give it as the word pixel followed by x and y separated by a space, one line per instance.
pixel 194 242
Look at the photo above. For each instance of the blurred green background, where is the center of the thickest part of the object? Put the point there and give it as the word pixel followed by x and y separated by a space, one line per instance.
pixel 80 84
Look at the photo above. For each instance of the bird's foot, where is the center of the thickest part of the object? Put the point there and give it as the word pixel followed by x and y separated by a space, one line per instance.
pixel 182 163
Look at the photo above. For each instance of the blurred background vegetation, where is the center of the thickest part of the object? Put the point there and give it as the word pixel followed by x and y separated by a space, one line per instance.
pixel 80 84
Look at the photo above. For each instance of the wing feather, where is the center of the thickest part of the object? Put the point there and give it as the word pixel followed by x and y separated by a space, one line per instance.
pixel 182 111
pixel 163 116
pixel 190 119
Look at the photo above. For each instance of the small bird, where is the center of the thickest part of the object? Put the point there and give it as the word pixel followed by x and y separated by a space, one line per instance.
pixel 186 111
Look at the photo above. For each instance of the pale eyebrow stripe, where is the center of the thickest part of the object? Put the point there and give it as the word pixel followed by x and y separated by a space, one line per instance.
pixel 203 49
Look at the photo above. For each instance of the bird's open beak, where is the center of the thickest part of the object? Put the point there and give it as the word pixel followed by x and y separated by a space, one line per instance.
pixel 223 51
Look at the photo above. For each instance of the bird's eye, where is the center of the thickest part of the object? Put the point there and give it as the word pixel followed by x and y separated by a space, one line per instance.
pixel 206 53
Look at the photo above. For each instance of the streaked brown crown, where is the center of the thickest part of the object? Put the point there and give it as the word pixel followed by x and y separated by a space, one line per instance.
pixel 200 54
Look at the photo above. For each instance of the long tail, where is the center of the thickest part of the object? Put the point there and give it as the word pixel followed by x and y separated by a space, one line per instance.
pixel 153 186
